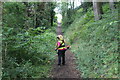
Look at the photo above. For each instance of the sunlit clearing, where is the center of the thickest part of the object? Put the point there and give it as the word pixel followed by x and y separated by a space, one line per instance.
pixel 59 18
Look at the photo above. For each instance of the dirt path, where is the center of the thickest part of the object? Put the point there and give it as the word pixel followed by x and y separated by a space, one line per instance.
pixel 69 69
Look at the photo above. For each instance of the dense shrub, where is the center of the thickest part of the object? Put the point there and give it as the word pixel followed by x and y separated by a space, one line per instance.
pixel 27 50
pixel 95 44
pixel 26 53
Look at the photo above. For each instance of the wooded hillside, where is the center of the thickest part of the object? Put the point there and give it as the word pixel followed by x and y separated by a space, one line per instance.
pixel 93 34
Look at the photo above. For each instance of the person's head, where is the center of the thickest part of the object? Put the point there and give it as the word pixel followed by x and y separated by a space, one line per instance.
pixel 60 37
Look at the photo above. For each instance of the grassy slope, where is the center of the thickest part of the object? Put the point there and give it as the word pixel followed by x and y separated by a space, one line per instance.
pixel 95 43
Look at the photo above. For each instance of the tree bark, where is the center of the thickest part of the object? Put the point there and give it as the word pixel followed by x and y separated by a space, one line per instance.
pixel 35 8
pixel 52 14
pixel 111 3
pixel 1 7
pixel 97 7
pixel 27 14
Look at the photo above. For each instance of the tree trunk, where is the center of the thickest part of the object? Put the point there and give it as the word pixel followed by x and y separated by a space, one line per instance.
pixel 73 5
pixel 112 7
pixel 51 14
pixel 97 10
pixel 52 17
pixel 1 39
pixel 40 14
pixel 27 15
pixel 35 8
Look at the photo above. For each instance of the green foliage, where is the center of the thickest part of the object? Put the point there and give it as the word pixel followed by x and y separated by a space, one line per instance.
pixel 106 8
pixel 13 15
pixel 26 51
pixel 68 14
pixel 85 6
pixel 95 44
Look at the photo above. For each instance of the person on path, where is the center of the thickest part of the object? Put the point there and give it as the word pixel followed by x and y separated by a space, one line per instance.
pixel 60 47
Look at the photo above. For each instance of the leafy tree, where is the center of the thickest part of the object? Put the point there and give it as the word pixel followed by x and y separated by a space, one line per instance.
pixel 28 40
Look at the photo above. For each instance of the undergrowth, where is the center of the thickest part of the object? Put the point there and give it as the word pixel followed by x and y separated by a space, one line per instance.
pixel 95 44
pixel 28 55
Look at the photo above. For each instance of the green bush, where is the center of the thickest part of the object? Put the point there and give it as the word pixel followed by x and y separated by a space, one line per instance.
pixel 27 52
pixel 27 47
pixel 95 44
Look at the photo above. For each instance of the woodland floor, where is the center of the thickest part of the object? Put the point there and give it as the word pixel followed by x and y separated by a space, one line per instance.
pixel 69 69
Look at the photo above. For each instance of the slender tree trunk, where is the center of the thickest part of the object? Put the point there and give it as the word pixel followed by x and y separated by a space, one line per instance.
pixel 0 40
pixel 40 14
pixel 35 7
pixel 73 5
pixel 5 49
pixel 118 27
pixel 97 10
pixel 112 7
pixel 52 18
pixel 27 15
pixel 52 14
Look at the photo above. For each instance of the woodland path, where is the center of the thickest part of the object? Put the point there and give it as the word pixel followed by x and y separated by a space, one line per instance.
pixel 69 69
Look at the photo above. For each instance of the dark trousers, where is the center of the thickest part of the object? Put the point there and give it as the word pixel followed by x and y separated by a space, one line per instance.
pixel 61 55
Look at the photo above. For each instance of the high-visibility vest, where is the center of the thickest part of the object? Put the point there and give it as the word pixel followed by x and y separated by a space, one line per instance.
pixel 62 45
